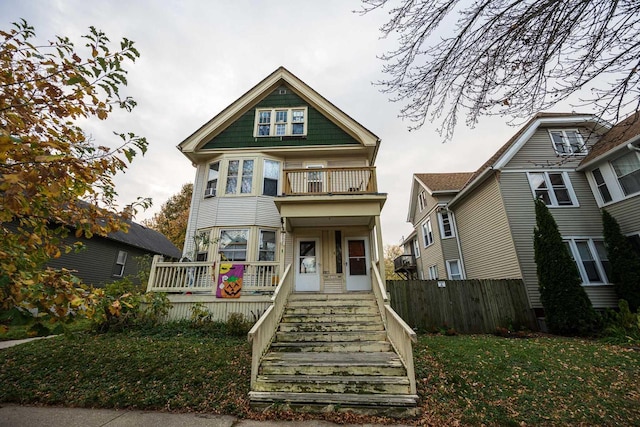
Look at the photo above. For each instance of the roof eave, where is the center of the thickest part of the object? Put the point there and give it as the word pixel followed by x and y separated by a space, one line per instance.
pixel 609 153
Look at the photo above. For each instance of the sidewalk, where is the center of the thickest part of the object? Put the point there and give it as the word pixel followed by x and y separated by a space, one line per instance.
pixel 11 343
pixel 36 416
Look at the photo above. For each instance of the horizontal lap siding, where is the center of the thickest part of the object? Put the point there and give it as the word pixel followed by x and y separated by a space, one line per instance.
pixel 539 151
pixel 583 221
pixel 487 248
pixel 627 213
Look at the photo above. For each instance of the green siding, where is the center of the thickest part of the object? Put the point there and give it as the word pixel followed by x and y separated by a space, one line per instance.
pixel 320 131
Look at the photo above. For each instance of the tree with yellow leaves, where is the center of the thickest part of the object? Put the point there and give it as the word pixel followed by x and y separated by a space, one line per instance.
pixel 53 178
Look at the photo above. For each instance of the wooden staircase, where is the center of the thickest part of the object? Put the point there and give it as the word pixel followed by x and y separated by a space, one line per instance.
pixel 331 352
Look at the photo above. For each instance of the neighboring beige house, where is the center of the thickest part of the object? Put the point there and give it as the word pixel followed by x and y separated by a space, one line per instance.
pixel 284 228
pixel 575 162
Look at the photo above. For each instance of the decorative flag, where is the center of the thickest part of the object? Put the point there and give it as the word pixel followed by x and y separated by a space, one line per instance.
pixel 229 280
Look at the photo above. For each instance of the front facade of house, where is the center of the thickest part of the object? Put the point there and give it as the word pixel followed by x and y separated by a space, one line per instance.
pixel 551 157
pixel 284 180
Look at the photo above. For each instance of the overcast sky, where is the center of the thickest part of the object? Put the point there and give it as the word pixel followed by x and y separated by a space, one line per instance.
pixel 197 57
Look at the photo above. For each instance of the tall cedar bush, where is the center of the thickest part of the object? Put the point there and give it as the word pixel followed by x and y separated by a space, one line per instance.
pixel 625 262
pixel 568 310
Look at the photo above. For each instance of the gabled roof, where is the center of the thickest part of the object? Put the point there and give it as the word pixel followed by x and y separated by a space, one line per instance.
pixel 622 133
pixel 505 153
pixel 280 76
pixel 444 182
pixel 147 239
pixel 434 184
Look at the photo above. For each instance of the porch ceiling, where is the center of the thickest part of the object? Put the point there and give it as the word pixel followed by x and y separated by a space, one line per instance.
pixel 330 210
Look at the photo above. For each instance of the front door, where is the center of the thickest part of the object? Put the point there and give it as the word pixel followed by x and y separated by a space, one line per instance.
pixel 358 276
pixel 307 267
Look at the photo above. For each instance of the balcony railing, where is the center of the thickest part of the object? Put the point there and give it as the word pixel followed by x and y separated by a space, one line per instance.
pixel 182 277
pixel 313 181
pixel 404 262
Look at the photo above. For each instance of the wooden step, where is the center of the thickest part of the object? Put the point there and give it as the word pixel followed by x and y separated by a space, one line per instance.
pixel 333 303
pixel 358 384
pixel 347 346
pixel 325 310
pixel 330 318
pixel 343 399
pixel 309 363
pixel 358 296
pixel 316 337
pixel 331 326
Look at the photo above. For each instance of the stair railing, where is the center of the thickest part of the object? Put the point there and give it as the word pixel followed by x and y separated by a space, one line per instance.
pixel 399 333
pixel 262 333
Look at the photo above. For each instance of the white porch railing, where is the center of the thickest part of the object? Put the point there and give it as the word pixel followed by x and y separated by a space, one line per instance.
pixel 399 333
pixel 265 328
pixel 259 276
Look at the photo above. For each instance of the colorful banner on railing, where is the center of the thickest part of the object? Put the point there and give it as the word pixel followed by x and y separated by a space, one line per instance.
pixel 229 280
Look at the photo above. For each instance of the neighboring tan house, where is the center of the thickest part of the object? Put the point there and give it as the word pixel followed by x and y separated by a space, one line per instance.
pixel 284 228
pixel 574 162
pixel 112 257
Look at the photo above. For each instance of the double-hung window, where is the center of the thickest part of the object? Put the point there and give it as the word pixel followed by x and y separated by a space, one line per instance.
pixel 422 202
pixel 239 177
pixel 554 188
pixel 453 269
pixel 212 180
pixel 591 259
pixel 233 244
pixel 121 261
pixel 271 176
pixel 281 122
pixel 627 169
pixel 602 185
pixel 433 272
pixel 446 224
pixel 416 248
pixel 427 233
pixel 567 142
pixel 267 246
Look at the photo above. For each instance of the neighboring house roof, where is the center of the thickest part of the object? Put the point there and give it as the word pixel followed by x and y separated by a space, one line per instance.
pixel 147 239
pixel 444 182
pixel 515 143
pixel 622 133
pixel 247 101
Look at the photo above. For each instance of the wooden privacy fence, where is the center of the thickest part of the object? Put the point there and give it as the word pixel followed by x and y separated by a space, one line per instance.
pixel 468 306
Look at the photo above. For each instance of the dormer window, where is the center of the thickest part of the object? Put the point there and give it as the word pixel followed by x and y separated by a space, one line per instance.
pixel 566 142
pixel 281 122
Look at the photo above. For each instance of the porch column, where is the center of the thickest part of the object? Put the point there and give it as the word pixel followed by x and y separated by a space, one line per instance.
pixel 380 251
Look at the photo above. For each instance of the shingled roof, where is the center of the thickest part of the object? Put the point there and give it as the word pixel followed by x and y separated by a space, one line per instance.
pixel 618 135
pixel 444 182
pixel 147 239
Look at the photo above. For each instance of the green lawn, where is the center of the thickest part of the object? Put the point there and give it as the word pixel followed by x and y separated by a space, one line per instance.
pixel 470 379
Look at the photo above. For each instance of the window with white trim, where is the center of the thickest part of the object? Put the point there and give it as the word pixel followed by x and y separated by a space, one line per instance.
pixel 271 177
pixel 602 185
pixel 566 142
pixel 453 269
pixel 201 243
pixel 233 244
pixel 627 169
pixel 212 180
pixel 281 122
pixel 554 188
pixel 433 272
pixel 121 261
pixel 590 256
pixel 427 233
pixel 446 224
pixel 267 245
pixel 239 177
pixel 422 200
pixel 416 248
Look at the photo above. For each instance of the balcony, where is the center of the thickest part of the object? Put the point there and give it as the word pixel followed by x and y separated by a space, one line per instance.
pixel 330 197
pixel 317 181
pixel 405 266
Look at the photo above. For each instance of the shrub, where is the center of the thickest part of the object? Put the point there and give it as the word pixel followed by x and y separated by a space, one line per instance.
pixel 567 308
pixel 625 262
pixel 623 326
pixel 200 315
pixel 238 325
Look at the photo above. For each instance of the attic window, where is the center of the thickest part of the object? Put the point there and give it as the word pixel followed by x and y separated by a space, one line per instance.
pixel 282 91
pixel 280 122
pixel 567 142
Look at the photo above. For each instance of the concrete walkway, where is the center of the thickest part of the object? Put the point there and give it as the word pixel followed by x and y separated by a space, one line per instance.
pixel 11 343
pixel 36 416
